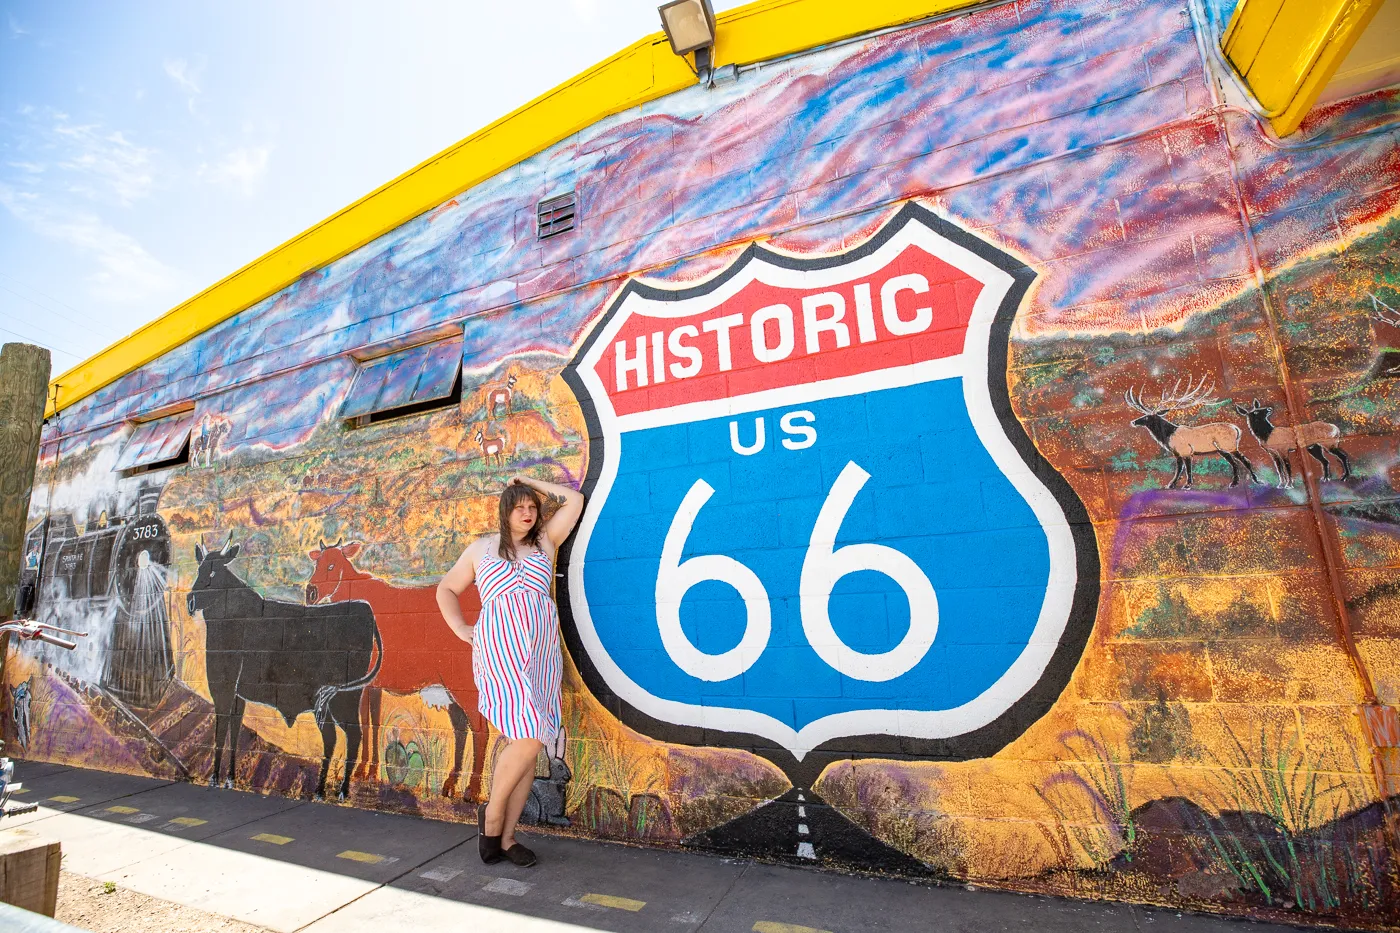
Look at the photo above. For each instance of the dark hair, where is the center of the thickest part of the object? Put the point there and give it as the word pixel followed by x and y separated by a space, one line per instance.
pixel 510 498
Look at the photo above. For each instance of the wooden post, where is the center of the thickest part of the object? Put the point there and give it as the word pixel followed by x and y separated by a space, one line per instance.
pixel 29 869
pixel 24 386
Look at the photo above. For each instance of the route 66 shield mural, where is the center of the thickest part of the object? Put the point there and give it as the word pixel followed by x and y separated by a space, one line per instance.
pixel 815 528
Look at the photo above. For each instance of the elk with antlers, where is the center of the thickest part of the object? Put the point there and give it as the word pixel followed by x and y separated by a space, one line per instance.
pixel 1384 312
pixel 1314 437
pixel 1186 442
pixel 1387 330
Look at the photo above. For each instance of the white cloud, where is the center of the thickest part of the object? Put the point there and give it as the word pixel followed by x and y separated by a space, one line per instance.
pixel 110 166
pixel 16 30
pixel 242 169
pixel 125 271
pixel 67 181
pixel 186 77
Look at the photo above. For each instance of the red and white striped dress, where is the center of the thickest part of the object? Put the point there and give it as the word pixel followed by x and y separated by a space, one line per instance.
pixel 516 659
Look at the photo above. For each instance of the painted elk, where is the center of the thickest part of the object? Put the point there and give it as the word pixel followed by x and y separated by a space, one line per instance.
pixel 1387 330
pixel 500 395
pixel 420 654
pixel 294 658
pixel 1280 441
pixel 492 448
pixel 1384 312
pixel 1186 442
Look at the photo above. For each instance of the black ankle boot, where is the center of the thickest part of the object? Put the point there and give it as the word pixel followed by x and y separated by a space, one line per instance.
pixel 488 846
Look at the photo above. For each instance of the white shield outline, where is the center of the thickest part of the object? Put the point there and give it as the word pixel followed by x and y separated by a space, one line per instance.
pixel 1021 695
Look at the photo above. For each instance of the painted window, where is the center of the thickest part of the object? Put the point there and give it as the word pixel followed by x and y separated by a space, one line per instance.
pixel 156 442
pixel 405 379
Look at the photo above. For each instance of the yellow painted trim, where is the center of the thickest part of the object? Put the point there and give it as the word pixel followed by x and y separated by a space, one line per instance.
pixel 642 72
pixel 1287 50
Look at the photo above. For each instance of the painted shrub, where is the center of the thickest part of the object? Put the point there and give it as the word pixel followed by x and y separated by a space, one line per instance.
pixel 1128 410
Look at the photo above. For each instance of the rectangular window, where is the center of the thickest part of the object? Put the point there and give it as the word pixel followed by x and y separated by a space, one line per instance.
pixel 406 382
pixel 556 215
pixel 156 444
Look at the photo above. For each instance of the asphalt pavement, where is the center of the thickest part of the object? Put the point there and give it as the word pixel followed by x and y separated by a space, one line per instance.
pixel 291 865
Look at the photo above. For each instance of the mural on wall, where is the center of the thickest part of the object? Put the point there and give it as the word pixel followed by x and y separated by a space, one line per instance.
pixel 794 433
pixel 1386 322
pixel 204 443
pixel 1127 452
pixel 420 655
pixel 292 657
pixel 115 568
pixel 1186 442
pixel 1318 438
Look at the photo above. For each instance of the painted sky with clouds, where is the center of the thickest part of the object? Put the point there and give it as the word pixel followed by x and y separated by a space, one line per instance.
pixel 148 150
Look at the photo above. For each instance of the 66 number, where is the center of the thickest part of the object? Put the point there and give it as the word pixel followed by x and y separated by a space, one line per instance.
pixel 822 566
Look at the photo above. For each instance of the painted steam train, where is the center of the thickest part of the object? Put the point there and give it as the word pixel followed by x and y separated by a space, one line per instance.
pixel 114 568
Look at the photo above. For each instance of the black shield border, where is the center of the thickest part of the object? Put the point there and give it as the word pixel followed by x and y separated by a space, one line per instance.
pixel 980 743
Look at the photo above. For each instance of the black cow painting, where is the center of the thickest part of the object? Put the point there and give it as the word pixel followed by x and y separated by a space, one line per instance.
pixel 290 656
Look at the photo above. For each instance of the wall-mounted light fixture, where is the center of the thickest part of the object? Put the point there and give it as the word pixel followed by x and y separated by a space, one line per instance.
pixel 690 25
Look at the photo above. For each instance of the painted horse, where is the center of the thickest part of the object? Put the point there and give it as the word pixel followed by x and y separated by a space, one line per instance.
pixel 420 655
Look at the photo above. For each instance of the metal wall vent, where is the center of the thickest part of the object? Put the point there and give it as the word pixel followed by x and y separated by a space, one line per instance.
pixel 556 215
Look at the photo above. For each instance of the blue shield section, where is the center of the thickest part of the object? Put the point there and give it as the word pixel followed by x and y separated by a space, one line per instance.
pixel 933 493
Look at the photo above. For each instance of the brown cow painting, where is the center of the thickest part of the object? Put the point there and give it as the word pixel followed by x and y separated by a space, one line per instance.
pixel 420 651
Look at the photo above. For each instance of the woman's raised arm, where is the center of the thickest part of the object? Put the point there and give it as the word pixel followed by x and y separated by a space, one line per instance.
pixel 566 516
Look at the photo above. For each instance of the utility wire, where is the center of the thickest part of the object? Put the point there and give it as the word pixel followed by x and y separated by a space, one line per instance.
pixel 58 314
pixel 43 330
pixel 44 345
pixel 6 275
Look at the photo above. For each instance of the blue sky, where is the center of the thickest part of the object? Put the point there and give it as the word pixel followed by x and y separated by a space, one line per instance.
pixel 147 150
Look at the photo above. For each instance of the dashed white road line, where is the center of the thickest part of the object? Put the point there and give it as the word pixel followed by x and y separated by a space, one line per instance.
pixel 804 848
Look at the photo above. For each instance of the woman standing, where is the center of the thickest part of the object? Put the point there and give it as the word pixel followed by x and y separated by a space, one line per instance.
pixel 516 659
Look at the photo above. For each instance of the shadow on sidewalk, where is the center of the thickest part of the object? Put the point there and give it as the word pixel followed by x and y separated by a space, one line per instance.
pixel 295 865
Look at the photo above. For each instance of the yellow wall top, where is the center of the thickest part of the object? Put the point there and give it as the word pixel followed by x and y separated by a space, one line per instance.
pixel 642 72
pixel 1287 50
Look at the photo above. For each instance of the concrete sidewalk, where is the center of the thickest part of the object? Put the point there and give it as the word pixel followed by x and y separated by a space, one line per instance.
pixel 289 866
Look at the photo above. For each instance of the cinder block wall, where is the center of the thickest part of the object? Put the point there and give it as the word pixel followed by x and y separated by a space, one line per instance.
pixel 1216 727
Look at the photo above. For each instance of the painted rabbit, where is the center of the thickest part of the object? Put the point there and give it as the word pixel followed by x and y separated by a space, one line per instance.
pixel 545 805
